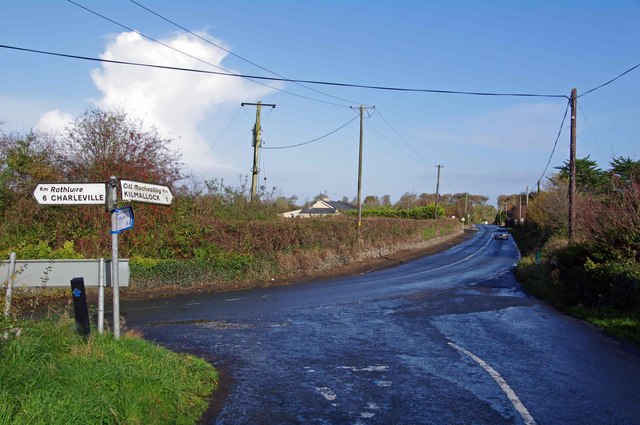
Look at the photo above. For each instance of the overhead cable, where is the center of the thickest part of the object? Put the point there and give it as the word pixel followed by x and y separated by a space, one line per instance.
pixel 198 59
pixel 290 80
pixel 400 136
pixel 592 132
pixel 311 141
pixel 610 81
pixel 393 144
pixel 234 54
pixel 556 142
pixel 219 137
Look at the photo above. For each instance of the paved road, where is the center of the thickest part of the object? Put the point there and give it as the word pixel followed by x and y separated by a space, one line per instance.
pixel 446 339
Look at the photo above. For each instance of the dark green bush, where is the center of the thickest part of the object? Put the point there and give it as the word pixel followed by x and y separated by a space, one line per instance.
pixel 585 279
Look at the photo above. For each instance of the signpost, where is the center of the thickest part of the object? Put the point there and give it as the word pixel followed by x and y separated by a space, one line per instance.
pixel 145 192
pixel 121 218
pixel 70 193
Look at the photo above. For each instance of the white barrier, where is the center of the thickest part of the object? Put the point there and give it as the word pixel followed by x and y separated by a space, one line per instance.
pixel 58 273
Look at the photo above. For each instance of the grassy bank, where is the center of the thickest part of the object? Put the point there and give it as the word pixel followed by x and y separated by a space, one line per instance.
pixel 605 295
pixel 50 375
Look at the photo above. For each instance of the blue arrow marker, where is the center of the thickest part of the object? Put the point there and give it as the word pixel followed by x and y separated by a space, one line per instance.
pixel 76 292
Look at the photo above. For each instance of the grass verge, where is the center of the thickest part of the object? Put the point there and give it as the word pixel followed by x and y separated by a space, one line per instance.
pixel 49 374
pixel 539 280
pixel 624 326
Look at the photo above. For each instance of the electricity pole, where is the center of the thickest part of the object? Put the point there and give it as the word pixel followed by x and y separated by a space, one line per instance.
pixel 519 208
pixel 572 168
pixel 505 214
pixel 256 146
pixel 435 213
pixel 466 201
pixel 361 109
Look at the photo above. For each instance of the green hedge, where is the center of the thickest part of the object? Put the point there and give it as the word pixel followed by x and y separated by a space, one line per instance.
pixel 210 270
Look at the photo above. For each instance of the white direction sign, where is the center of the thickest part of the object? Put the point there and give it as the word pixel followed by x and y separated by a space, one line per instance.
pixel 145 192
pixel 70 193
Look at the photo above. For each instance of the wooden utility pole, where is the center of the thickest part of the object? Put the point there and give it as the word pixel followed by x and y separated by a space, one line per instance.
pixel 361 110
pixel 519 208
pixel 256 147
pixel 466 202
pixel 435 212
pixel 505 214
pixel 572 168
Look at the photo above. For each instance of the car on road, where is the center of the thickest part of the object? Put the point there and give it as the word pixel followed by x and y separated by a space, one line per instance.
pixel 501 233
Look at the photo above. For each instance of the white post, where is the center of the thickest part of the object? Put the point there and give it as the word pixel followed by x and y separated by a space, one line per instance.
pixel 11 275
pixel 101 271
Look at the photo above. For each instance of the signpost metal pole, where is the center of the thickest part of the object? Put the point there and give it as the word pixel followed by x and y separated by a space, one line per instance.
pixel 101 296
pixel 115 283
pixel 11 274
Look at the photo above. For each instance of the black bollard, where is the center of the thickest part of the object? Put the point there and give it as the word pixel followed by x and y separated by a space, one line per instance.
pixel 80 308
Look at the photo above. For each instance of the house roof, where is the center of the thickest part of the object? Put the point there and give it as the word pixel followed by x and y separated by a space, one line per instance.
pixel 342 206
pixel 327 207
pixel 318 211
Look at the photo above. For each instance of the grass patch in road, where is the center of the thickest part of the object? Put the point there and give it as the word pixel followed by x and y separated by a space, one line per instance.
pixel 49 374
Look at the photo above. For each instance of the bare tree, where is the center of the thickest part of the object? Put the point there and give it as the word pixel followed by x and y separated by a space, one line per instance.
pixel 99 144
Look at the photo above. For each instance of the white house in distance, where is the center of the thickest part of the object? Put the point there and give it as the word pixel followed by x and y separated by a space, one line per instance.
pixel 322 207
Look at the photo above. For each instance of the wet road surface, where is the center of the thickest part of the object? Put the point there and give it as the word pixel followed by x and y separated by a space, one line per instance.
pixel 445 339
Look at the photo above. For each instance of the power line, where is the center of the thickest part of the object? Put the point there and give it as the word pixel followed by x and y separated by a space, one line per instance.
pixel 556 142
pixel 238 143
pixel 196 58
pixel 314 140
pixel 290 80
pixel 219 137
pixel 234 54
pixel 400 136
pixel 610 81
pixel 592 132
pixel 393 144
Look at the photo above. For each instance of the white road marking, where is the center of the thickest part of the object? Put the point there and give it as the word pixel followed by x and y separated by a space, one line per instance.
pixel 456 262
pixel 377 368
pixel 192 303
pixel 327 393
pixel 524 413
pixel 233 299
pixel 436 268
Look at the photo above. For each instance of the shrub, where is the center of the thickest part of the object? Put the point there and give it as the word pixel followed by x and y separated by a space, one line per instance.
pixel 42 250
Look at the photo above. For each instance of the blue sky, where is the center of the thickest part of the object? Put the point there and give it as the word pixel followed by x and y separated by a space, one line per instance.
pixel 488 145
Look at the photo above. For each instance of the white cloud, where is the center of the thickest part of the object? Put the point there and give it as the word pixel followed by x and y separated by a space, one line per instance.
pixel 54 121
pixel 176 103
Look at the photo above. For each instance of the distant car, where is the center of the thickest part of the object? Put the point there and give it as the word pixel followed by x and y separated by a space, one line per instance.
pixel 501 233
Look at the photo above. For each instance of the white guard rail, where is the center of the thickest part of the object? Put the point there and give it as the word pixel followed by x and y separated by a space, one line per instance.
pixel 58 273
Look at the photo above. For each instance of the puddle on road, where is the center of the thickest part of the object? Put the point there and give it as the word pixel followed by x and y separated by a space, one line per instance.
pixel 209 324
pixel 220 325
